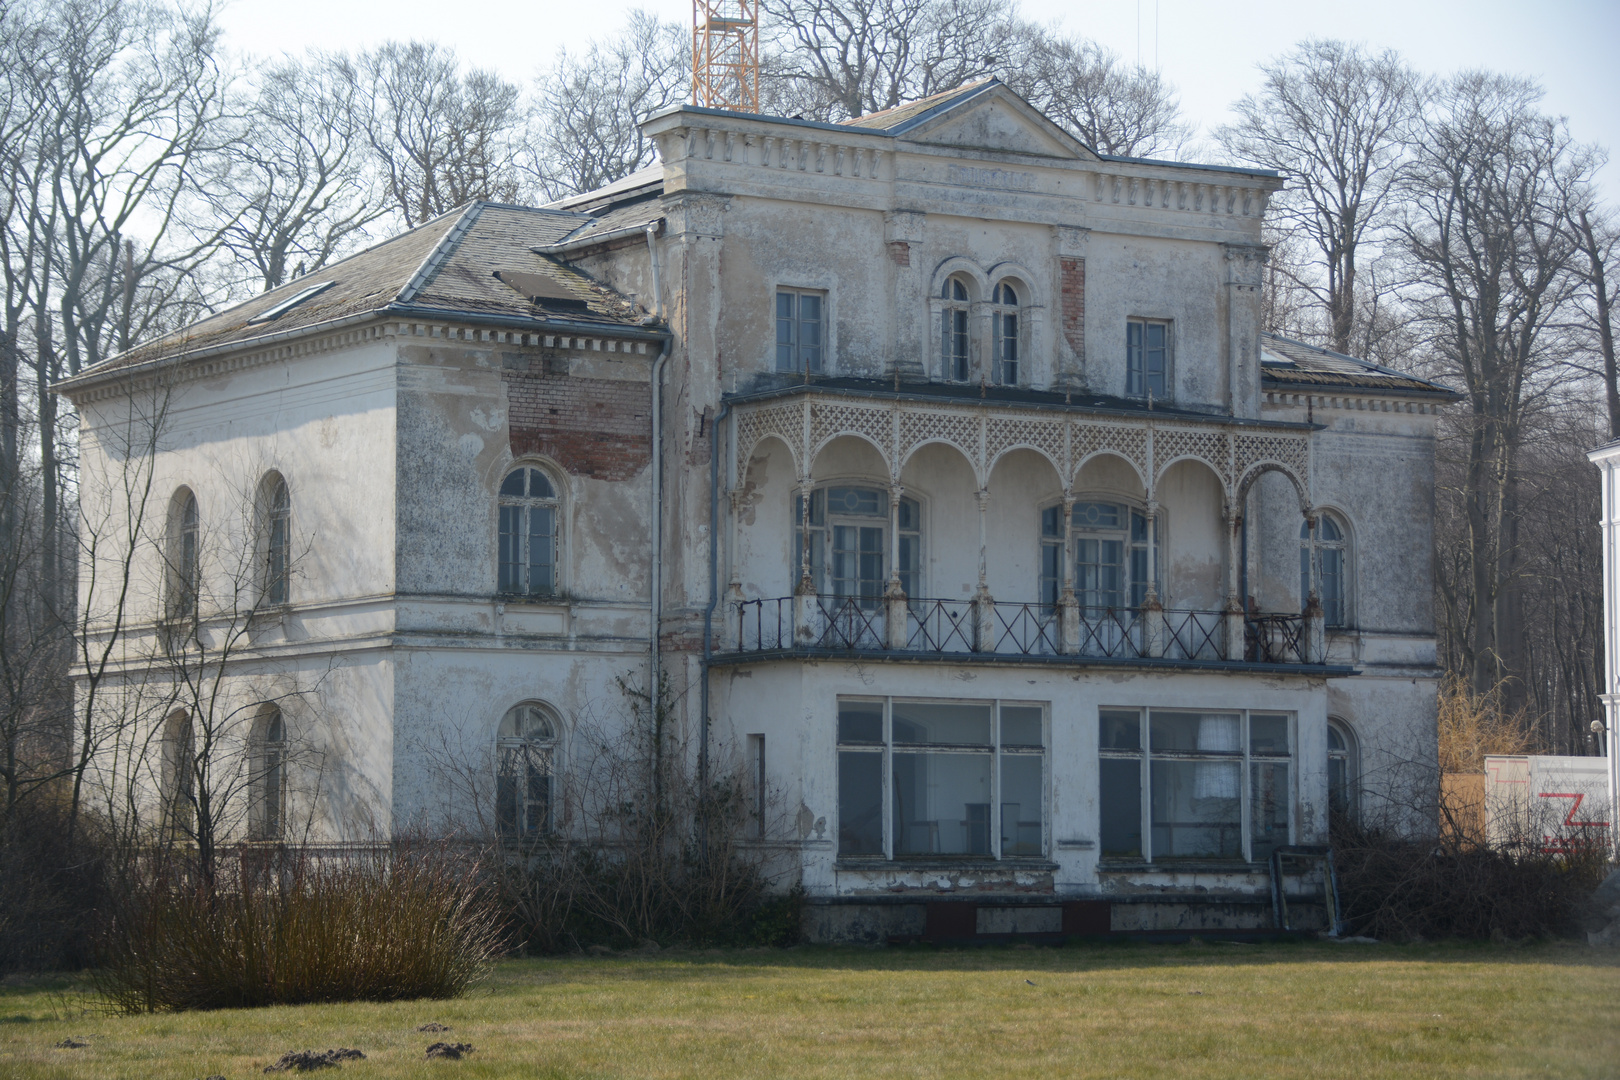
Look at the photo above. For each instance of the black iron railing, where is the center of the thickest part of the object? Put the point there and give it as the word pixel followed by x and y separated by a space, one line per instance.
pixel 861 624
pixel 1274 639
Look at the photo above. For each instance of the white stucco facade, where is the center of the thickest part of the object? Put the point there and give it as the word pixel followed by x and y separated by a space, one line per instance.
pixel 1074 490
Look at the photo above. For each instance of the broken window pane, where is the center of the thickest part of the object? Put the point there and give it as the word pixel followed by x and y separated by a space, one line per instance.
pixel 1120 730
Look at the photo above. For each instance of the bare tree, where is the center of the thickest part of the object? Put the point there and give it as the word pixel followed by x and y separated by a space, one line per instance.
pixel 837 59
pixel 1598 239
pixel 440 136
pixel 290 188
pixel 1338 121
pixel 1492 185
pixel 590 106
pixel 1112 107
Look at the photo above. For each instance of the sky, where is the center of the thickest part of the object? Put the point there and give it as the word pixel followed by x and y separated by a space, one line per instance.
pixel 1208 50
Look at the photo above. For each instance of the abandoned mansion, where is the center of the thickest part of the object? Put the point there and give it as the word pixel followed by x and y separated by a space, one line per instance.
pixel 931 470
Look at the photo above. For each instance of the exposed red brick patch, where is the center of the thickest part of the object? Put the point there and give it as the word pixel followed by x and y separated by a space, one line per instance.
pixel 1073 274
pixel 900 252
pixel 600 428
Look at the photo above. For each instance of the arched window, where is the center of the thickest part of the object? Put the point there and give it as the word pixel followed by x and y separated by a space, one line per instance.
pixel 1111 555
pixel 182 556
pixel 1343 771
pixel 528 533
pixel 1332 562
pixel 1004 326
pixel 953 331
pixel 276 533
pixel 848 534
pixel 177 777
pixel 525 755
pixel 267 781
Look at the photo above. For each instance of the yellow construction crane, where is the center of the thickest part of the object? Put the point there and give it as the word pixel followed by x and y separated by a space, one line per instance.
pixel 725 54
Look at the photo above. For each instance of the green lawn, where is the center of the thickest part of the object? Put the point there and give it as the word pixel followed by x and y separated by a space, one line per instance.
pixel 1200 1010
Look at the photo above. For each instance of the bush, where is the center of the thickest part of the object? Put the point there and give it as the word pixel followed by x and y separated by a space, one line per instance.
pixel 50 889
pixel 1405 890
pixel 381 926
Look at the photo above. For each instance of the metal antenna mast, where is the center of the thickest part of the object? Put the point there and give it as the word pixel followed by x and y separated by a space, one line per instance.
pixel 725 54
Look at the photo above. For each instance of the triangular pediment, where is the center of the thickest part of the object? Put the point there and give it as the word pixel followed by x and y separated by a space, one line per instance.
pixel 995 120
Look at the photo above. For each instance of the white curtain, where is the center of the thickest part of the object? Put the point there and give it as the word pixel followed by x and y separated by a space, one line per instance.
pixel 1218 779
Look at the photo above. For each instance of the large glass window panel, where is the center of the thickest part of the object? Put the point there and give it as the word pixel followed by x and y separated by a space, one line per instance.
pixel 1196 809
pixel 809 332
pixel 1268 734
pixel 1099 573
pixel 941 723
pixel 1120 807
pixel 941 803
pixel 1020 725
pixel 860 722
pixel 1119 730
pixel 1021 802
pixel 784 331
pixel 1218 733
pixel 860 802
pixel 1269 796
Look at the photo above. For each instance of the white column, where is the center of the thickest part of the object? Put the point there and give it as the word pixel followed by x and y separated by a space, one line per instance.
pixel 1233 613
pixel 984 606
pixel 894 595
pixel 1068 605
pixel 806 623
pixel 1153 643
pixel 1314 644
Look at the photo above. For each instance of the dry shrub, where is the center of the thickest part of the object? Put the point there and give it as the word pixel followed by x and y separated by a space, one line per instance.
pixel 1474 724
pixel 381 925
pixel 50 887
pixel 646 849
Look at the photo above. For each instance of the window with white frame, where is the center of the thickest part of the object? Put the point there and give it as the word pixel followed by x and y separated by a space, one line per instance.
pixel 921 778
pixel 528 534
pixel 1212 785
pixel 1342 771
pixel 1113 552
pixel 267 787
pixel 955 361
pixel 848 536
pixel 1147 357
pixel 1331 552
pixel 800 329
pixel 183 555
pixel 276 532
pixel 1004 325
pixel 525 756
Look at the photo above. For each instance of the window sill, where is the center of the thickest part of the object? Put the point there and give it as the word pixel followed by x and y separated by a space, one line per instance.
pixel 939 862
pixel 1173 866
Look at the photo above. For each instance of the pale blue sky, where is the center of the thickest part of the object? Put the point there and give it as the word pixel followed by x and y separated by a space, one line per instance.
pixel 1207 49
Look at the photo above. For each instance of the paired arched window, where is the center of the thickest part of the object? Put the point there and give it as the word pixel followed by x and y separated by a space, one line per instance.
pixel 525 748
pixel 528 547
pixel 1004 327
pixel 1343 771
pixel 182 555
pixel 275 532
pixel 1332 554
pixel 1114 555
pixel 953 331
pixel 177 775
pixel 267 780
pixel 847 532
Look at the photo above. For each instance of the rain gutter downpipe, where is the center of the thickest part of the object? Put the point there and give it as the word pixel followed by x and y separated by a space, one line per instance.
pixel 657 463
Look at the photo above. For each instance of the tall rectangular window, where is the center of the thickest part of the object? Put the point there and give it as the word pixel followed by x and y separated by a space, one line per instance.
pixel 936 778
pixel 1147 357
pixel 1200 786
pixel 799 330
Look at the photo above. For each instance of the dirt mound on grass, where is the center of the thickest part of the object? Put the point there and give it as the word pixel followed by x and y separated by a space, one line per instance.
pixel 453 1051
pixel 310 1060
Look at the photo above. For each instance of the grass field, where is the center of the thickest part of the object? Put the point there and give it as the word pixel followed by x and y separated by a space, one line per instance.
pixel 1197 1010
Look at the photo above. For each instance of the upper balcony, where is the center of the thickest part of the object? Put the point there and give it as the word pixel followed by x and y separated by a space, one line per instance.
pixel 911 523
